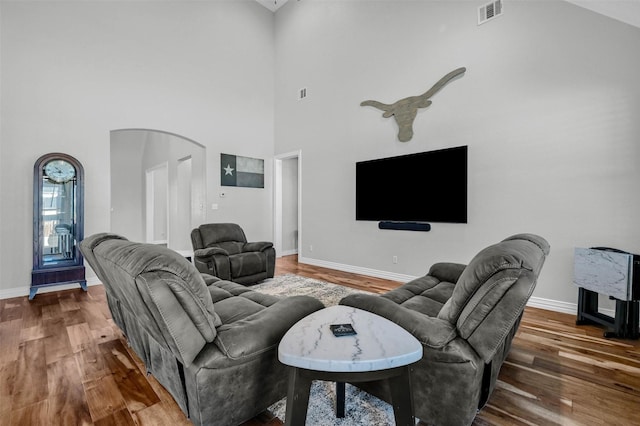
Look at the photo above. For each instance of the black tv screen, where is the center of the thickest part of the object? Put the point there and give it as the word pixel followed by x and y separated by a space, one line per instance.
pixel 425 187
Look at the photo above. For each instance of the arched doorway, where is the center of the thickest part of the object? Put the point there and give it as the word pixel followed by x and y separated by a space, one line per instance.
pixel 158 189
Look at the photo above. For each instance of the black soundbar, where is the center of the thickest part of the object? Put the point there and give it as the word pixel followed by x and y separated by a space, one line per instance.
pixel 405 226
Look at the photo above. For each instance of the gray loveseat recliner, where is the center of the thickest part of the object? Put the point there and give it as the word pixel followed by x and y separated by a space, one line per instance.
pixel 222 250
pixel 213 347
pixel 465 317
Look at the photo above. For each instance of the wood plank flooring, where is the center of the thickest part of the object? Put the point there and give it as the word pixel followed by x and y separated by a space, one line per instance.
pixel 64 362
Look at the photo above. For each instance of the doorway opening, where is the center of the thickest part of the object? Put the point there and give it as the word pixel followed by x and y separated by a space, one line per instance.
pixel 157 208
pixel 287 214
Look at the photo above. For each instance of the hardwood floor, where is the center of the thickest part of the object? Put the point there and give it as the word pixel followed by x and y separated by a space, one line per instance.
pixel 64 362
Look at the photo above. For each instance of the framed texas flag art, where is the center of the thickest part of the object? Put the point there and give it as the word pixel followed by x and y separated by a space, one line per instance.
pixel 241 171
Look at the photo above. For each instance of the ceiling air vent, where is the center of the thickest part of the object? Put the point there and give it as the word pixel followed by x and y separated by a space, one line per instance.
pixel 489 11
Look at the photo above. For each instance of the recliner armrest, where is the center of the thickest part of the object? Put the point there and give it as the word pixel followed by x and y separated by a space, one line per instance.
pixel 447 271
pixel 257 246
pixel 430 331
pixel 210 251
pixel 263 330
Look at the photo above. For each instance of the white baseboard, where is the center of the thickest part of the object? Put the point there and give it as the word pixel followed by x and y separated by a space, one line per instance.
pixel 564 307
pixel 24 291
pixel 552 305
pixel 357 269
pixel 287 252
pixel 534 302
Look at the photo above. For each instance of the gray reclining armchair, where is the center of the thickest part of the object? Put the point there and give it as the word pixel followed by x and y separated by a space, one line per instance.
pixel 222 250
pixel 466 318
pixel 213 347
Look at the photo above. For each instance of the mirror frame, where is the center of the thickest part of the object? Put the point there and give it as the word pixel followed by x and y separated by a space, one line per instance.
pixel 71 270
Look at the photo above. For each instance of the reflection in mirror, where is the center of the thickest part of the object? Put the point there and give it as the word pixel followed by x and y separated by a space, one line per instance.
pixel 58 207
pixel 139 211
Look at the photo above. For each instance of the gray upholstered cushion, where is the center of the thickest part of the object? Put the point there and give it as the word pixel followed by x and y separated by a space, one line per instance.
pixel 90 243
pixel 429 293
pixel 224 375
pixel 230 247
pixel 467 337
pixel 513 253
pixel 425 294
pixel 248 327
pixel 430 331
pixel 215 233
pixel 155 295
pixel 186 282
pixel 221 249
pixel 247 263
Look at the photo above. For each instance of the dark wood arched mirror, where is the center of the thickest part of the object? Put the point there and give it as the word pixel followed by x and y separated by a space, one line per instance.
pixel 58 226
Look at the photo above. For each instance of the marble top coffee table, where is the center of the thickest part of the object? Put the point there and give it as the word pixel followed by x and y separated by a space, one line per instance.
pixel 379 350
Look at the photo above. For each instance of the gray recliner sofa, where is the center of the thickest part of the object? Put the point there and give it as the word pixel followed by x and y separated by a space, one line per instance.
pixel 466 317
pixel 213 347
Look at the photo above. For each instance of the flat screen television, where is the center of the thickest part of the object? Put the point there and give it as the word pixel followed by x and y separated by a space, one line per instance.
pixel 425 187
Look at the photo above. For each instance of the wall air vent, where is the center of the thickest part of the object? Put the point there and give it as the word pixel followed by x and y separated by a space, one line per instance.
pixel 489 11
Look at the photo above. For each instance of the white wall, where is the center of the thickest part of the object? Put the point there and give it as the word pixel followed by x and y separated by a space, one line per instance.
pixel 73 71
pixel 548 107
pixel 127 185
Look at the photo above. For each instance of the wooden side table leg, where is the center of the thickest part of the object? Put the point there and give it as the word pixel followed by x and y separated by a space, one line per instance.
pixel 297 398
pixel 340 399
pixel 402 398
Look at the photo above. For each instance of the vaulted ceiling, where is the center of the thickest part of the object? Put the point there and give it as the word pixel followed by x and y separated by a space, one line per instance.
pixel 272 5
pixel 627 11
pixel 623 10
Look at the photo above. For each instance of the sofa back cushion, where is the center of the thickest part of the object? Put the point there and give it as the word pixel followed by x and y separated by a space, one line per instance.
pixel 161 287
pixel 492 291
pixel 89 244
pixel 212 234
pixel 231 247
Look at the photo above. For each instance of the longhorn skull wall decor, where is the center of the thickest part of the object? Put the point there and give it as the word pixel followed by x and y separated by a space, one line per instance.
pixel 405 110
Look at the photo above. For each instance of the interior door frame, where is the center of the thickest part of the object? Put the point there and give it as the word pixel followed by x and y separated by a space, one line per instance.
pixel 184 218
pixel 150 202
pixel 277 199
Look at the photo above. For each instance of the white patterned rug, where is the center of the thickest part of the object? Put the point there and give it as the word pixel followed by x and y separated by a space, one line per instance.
pixel 296 285
pixel 361 408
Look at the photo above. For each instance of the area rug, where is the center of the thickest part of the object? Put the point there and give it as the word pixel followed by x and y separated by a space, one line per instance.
pixel 361 408
pixel 296 285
